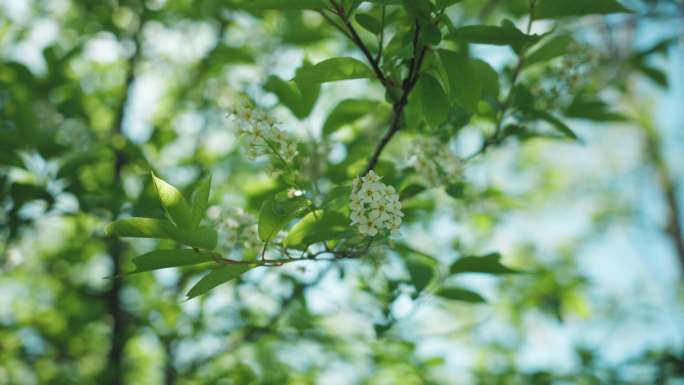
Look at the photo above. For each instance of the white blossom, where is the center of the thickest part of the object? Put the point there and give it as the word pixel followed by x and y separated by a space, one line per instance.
pixel 434 162
pixel 374 206
pixel 262 135
pixel 251 237
pixel 236 228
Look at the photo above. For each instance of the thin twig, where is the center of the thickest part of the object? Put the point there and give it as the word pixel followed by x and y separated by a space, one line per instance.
pixel 496 136
pixel 356 39
pixel 337 255
pixel 334 24
pixel 408 84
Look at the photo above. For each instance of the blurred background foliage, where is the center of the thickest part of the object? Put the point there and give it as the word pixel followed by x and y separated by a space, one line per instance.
pixel 95 94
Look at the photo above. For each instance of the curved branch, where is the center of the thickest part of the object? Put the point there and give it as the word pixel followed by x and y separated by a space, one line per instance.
pixel 408 85
pixel 496 138
pixel 356 39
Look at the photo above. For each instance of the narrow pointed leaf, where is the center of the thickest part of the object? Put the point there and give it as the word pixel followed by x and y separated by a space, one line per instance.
pixel 323 226
pixel 460 294
pixel 203 237
pixel 555 123
pixel 340 68
pixel 161 259
pixel 217 277
pixel 488 264
pixel 174 203
pixel 551 9
pixel 140 228
pixel 200 201
pixel 507 34
pixel 553 48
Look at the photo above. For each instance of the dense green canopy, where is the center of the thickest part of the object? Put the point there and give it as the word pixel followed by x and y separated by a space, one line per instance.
pixel 341 192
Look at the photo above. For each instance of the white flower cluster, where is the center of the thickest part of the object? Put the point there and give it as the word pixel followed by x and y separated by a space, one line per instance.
pixel 237 228
pixel 564 77
pixel 374 206
pixel 263 137
pixel 434 162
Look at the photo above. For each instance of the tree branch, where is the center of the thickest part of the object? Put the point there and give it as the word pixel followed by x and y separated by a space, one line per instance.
pixel 496 136
pixel 334 24
pixel 337 255
pixel 356 39
pixel 408 84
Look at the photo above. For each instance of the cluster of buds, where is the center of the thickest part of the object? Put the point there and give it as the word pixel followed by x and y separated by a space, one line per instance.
pixel 564 77
pixel 262 135
pixel 237 228
pixel 374 206
pixel 434 162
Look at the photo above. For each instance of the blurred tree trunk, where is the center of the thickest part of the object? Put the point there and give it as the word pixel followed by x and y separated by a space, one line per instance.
pixel 169 369
pixel 113 373
pixel 669 190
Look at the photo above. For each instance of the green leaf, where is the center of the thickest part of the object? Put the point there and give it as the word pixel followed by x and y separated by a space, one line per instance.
pixel 551 9
pixel 203 237
pixel 507 34
pixel 340 68
pixel 337 197
pixel 275 214
pixel 465 86
pixel 455 190
pixel 200 201
pixel 441 4
pixel 346 112
pixel 410 191
pixel 369 23
pixel 460 294
pixel 554 47
pixel 523 98
pixel 161 259
pixel 300 98
pixel 434 101
pixel 216 277
pixel 284 5
pixel 317 227
pixel 405 248
pixel 658 76
pixel 488 264
pixel 421 270
pixel 351 5
pixel 555 123
pixel 140 228
pixel 431 35
pixel 174 203
pixel 488 78
pixel 386 2
pixel 596 110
